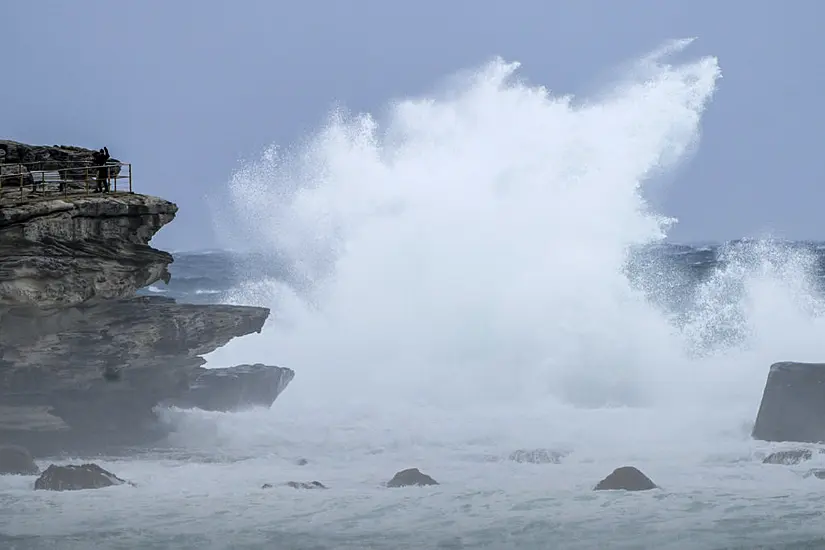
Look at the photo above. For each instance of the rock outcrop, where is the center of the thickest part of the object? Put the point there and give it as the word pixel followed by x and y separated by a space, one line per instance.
pixel 793 404
pixel 234 389
pixel 788 458
pixel 411 477
pixel 84 362
pixel 626 478
pixel 76 478
pixel 66 251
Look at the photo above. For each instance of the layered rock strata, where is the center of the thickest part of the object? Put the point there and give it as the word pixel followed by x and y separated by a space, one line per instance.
pixel 84 362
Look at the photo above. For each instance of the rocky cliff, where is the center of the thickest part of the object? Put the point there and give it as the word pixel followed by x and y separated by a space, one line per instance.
pixel 65 251
pixel 84 362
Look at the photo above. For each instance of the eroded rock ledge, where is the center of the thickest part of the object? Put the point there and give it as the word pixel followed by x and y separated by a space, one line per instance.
pixel 64 251
pixel 84 362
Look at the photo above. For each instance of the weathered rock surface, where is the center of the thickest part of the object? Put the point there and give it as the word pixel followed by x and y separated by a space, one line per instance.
pixel 538 456
pixel 83 361
pixel 67 251
pixel 788 458
pixel 16 460
pixel 793 404
pixel 76 478
pixel 626 478
pixel 411 477
pixel 235 388
pixel 14 176
pixel 102 368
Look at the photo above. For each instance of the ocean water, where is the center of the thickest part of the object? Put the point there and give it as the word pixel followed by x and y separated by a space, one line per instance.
pixel 463 275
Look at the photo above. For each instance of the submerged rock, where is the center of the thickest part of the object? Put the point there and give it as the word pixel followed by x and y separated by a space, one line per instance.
pixel 793 404
pixel 15 460
pixel 538 456
pixel 818 473
pixel 298 485
pixel 76 478
pixel 626 478
pixel 794 456
pixel 305 485
pixel 411 477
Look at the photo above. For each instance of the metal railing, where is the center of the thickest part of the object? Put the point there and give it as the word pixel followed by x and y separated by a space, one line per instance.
pixel 73 180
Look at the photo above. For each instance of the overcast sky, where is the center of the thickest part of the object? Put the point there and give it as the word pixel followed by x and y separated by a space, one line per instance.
pixel 184 89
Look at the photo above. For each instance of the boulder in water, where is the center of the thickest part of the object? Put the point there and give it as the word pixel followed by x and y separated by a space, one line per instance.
pixel 794 456
pixel 411 477
pixel 626 478
pixel 793 404
pixel 75 478
pixel 818 473
pixel 16 460
pixel 538 456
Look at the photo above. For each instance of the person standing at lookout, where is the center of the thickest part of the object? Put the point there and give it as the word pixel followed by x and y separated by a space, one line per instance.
pixel 99 160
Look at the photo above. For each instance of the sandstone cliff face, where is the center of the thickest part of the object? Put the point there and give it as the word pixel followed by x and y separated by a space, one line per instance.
pixel 65 251
pixel 84 362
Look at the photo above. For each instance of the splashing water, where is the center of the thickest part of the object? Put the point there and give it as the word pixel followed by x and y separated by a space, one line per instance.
pixel 466 258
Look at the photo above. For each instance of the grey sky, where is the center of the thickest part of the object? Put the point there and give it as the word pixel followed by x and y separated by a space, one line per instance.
pixel 185 89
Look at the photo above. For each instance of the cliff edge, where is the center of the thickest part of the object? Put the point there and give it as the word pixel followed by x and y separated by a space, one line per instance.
pixel 84 361
pixel 65 251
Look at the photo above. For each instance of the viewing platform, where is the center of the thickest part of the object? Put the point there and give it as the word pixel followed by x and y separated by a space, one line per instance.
pixel 26 182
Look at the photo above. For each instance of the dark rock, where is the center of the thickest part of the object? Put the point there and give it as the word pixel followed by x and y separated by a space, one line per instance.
pixel 793 404
pixel 626 478
pixel 788 457
pixel 301 462
pixel 818 473
pixel 410 477
pixel 298 485
pixel 83 361
pixel 235 388
pixel 16 460
pixel 538 456
pixel 305 485
pixel 75 478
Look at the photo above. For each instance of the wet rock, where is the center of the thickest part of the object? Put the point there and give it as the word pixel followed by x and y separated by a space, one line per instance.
pixel 299 485
pixel 538 456
pixel 793 404
pixel 305 485
pixel 411 477
pixel 301 462
pixel 16 460
pixel 794 456
pixel 235 388
pixel 626 478
pixel 75 478
pixel 818 473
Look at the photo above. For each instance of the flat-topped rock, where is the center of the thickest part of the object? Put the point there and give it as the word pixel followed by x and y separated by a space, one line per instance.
pixel 793 404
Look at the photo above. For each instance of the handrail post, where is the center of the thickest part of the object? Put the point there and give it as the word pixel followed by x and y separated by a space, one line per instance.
pixel 130 178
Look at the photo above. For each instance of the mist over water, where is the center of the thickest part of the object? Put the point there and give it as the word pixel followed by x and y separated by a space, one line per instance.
pixel 470 251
